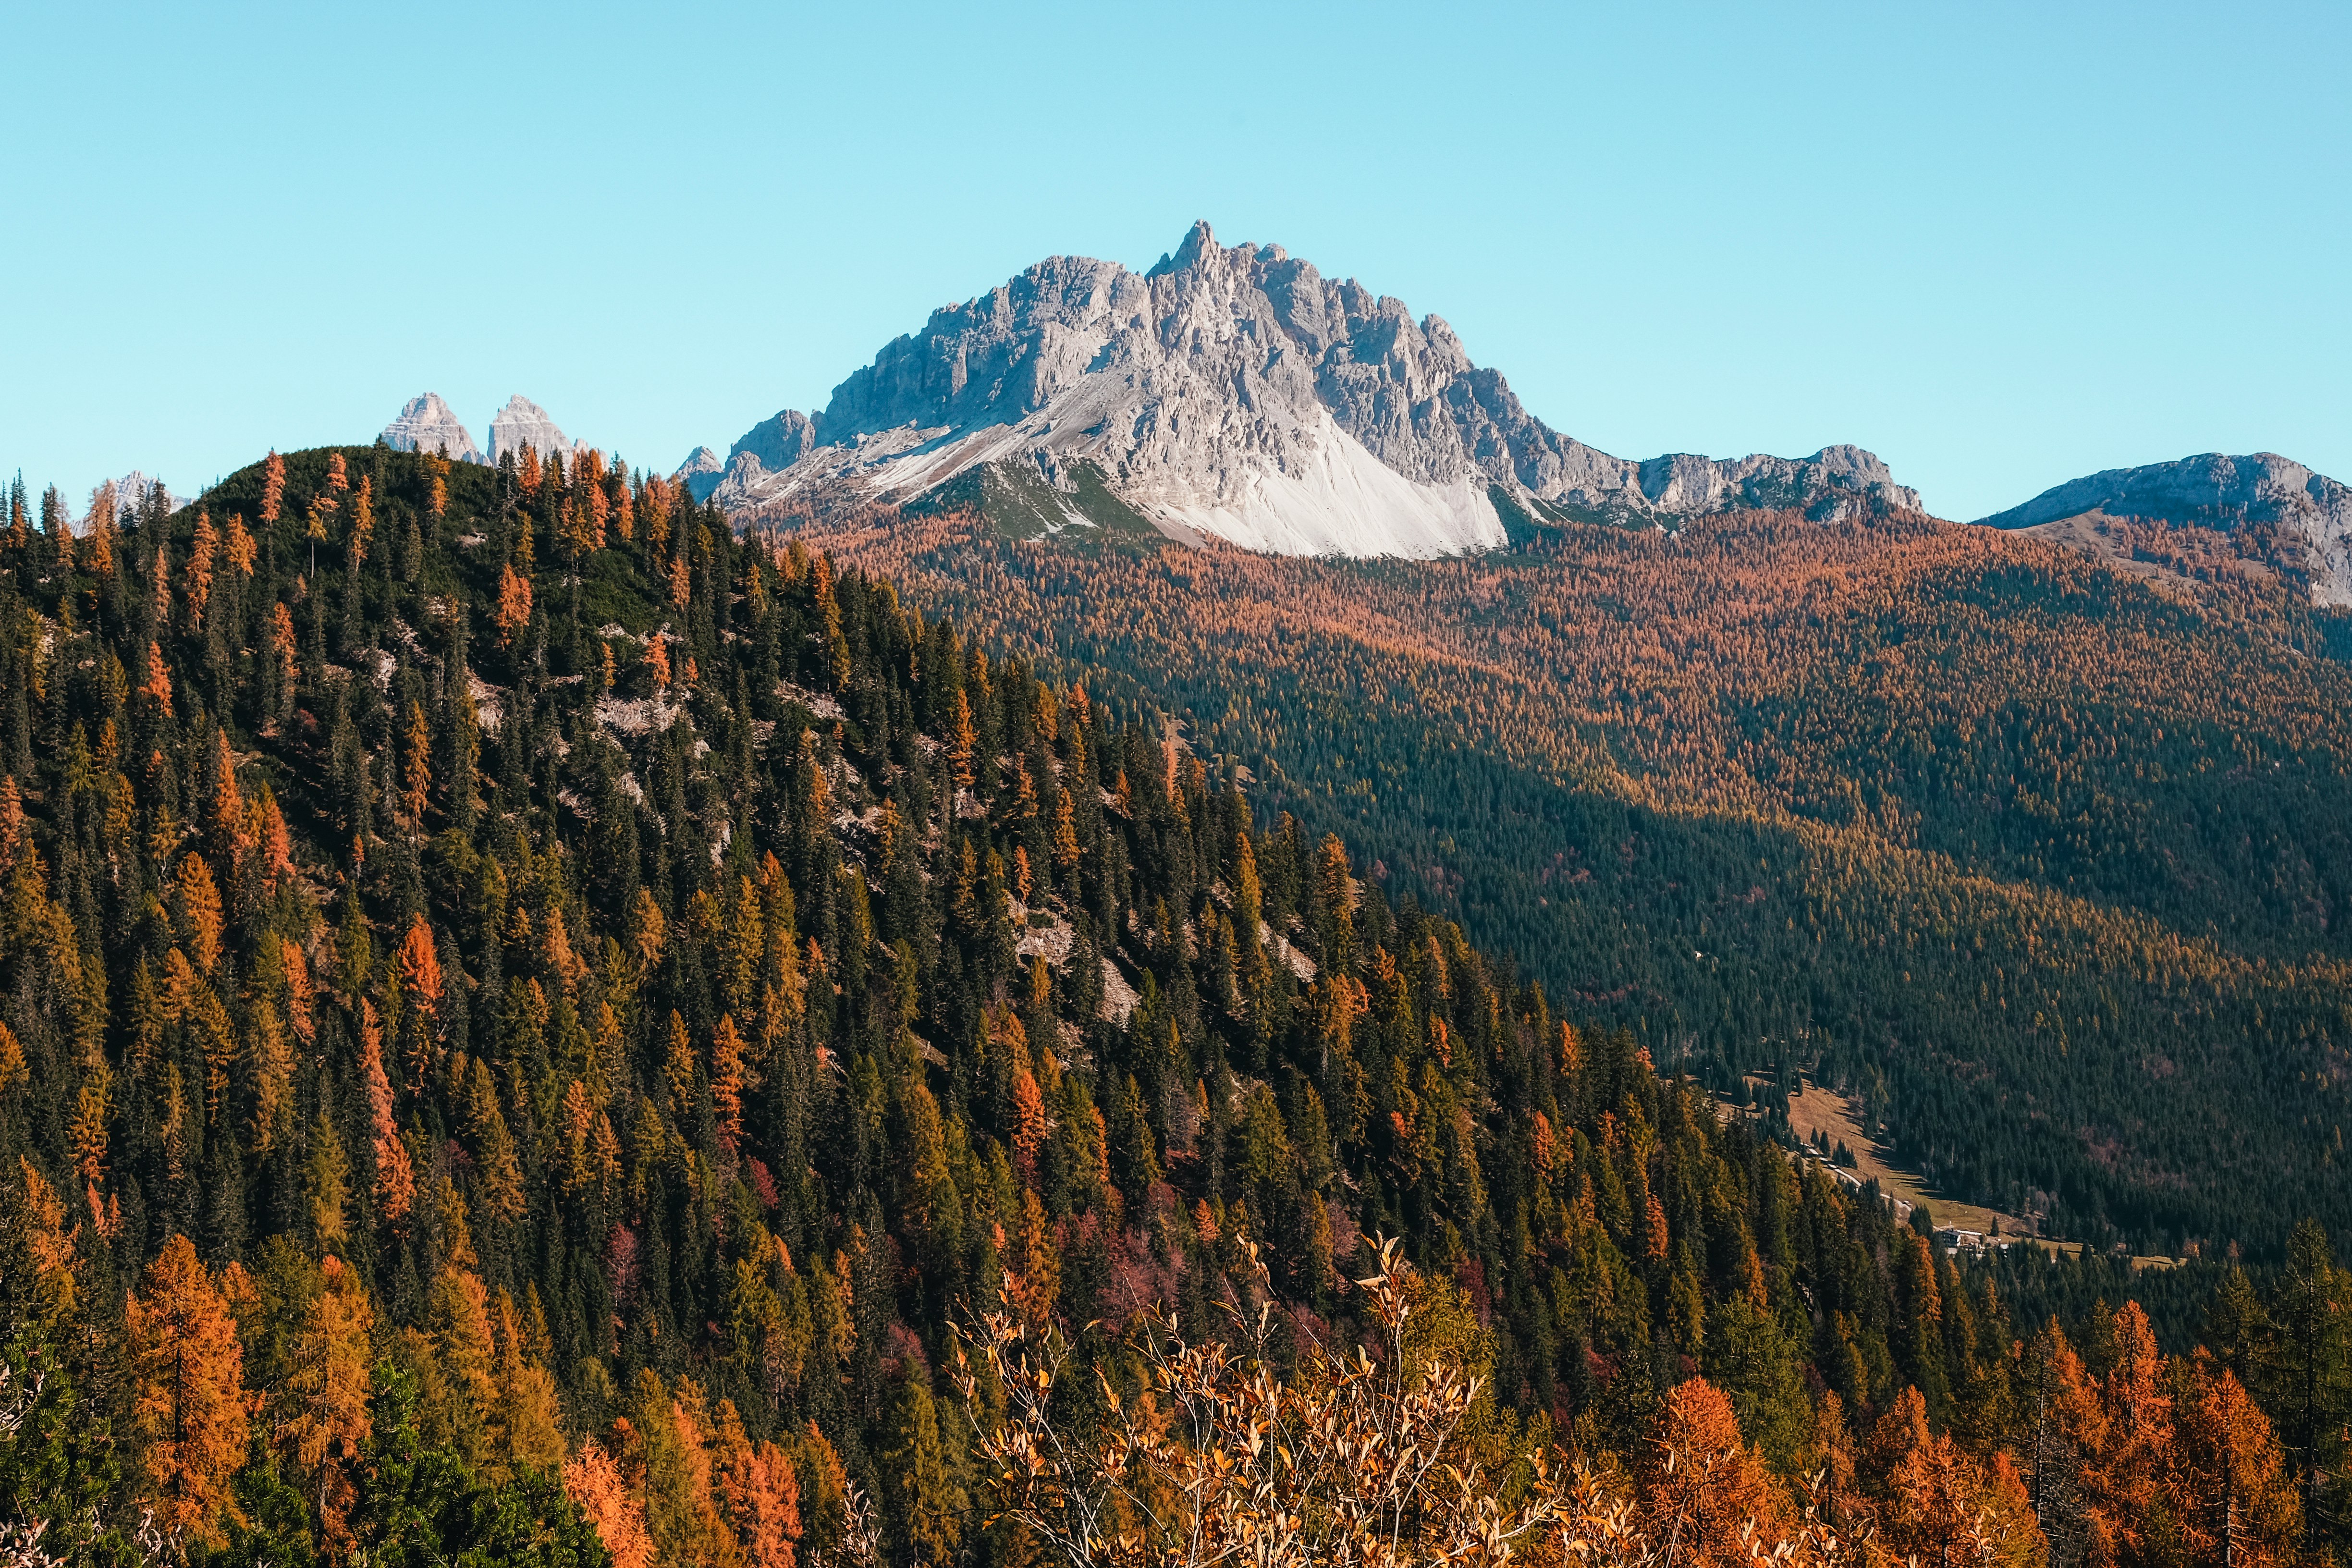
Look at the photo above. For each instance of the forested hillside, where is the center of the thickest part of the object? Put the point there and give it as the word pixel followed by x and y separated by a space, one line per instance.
pixel 525 1019
pixel 2049 865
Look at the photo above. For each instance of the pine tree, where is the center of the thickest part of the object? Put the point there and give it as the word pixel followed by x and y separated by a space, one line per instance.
pixel 2310 1376
pixel 928 1502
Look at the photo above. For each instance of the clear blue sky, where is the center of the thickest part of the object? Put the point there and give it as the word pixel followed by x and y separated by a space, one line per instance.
pixel 2001 246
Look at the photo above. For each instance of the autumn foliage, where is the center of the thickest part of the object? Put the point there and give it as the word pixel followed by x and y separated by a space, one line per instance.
pixel 466 1098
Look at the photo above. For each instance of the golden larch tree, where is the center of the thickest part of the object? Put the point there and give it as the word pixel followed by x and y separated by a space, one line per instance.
pixel 330 1423
pixel 595 1483
pixel 99 544
pixel 416 766
pixel 200 912
pixel 514 605
pixel 395 1179
pixel 190 1406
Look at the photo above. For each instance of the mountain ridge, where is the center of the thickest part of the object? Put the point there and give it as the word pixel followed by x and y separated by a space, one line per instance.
pixel 427 423
pixel 2307 516
pixel 1234 393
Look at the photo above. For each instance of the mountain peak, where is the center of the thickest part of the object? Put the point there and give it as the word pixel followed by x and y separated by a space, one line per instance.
pixel 1235 393
pixel 426 425
pixel 701 472
pixel 1199 241
pixel 523 423
pixel 2312 513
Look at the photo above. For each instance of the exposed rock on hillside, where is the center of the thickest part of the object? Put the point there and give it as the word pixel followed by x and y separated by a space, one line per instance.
pixel 135 496
pixel 2307 516
pixel 701 472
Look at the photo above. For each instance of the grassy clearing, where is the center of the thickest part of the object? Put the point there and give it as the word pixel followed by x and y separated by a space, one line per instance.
pixel 1820 1110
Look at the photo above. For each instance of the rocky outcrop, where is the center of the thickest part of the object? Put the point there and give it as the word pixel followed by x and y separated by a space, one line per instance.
pixel 2307 514
pixel 780 442
pixel 426 425
pixel 701 472
pixel 136 490
pixel 523 423
pixel 132 499
pixel 1235 393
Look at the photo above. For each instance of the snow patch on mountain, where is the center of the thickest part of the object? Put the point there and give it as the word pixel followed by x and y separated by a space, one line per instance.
pixel 1346 502
pixel 1235 393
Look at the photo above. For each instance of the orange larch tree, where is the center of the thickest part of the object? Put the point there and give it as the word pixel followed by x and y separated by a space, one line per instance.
pixel 514 605
pixel 190 1406
pixel 1701 1485
pixel 395 1179
pixel 597 1484
pixel 330 1422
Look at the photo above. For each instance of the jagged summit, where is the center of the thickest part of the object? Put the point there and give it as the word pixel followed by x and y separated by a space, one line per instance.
pixel 426 425
pixel 128 497
pixel 701 472
pixel 1234 393
pixel 2311 513
pixel 523 423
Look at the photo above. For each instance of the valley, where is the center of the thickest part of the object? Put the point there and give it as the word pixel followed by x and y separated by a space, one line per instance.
pixel 1959 821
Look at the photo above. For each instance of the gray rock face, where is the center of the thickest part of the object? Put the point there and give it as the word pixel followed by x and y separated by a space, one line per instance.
pixel 2310 512
pixel 426 425
pixel 701 472
pixel 780 442
pixel 131 500
pixel 1237 393
pixel 523 423
pixel 134 493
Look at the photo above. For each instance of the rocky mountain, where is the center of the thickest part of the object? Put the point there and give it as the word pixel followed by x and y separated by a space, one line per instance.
pixel 701 472
pixel 133 490
pixel 1234 393
pixel 129 496
pixel 523 423
pixel 427 425
pixel 2307 517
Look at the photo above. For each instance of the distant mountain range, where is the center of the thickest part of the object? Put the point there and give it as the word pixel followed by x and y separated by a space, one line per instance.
pixel 426 424
pixel 2292 518
pixel 1231 392
pixel 1235 394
